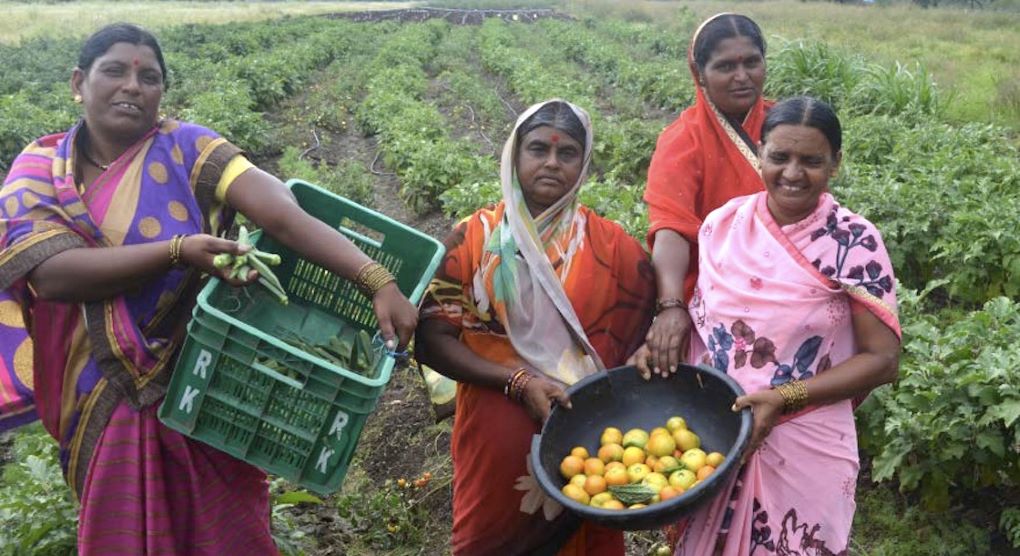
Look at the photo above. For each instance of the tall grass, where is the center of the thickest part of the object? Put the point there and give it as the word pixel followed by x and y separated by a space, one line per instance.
pixel 852 84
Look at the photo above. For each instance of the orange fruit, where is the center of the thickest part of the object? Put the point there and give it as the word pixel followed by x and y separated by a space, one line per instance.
pixel 576 493
pixel 686 440
pixel 657 481
pixel 580 451
pixel 658 430
pixel 660 445
pixel 668 492
pixel 633 455
pixel 635 437
pixel 637 472
pixel 594 466
pixel 650 461
pixel 601 498
pixel 595 484
pixel 570 466
pixel 675 422
pixel 614 465
pixel 611 435
pixel 704 472
pixel 715 459
pixel 578 480
pixel 682 479
pixel 616 476
pixel 665 463
pixel 693 459
pixel 610 452
pixel 613 504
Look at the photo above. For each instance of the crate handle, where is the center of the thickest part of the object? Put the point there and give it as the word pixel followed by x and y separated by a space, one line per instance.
pixel 350 232
pixel 276 375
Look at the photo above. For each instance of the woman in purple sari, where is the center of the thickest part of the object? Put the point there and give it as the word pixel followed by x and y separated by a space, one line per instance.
pixel 106 230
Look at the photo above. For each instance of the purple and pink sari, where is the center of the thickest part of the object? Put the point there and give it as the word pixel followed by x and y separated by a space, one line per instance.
pixel 94 372
pixel 773 304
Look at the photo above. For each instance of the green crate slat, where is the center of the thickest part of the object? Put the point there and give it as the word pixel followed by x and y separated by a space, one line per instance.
pixel 303 426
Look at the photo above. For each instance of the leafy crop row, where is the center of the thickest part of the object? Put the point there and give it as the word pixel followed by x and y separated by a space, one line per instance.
pixel 220 76
pixel 952 423
pixel 411 132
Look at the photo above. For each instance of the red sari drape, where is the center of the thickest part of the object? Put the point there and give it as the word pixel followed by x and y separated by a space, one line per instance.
pixel 700 163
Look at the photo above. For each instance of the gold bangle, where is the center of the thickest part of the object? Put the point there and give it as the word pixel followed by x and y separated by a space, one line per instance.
pixel 176 243
pixel 371 277
pixel 794 395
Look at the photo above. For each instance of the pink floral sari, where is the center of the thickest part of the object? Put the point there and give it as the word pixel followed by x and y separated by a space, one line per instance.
pixel 774 304
pixel 93 372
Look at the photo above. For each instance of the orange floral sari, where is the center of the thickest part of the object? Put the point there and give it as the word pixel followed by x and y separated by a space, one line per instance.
pixel 606 280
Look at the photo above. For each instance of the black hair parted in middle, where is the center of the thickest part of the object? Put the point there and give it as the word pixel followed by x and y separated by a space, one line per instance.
pixel 806 111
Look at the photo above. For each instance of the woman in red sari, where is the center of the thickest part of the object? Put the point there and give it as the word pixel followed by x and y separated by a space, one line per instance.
pixel 106 232
pixel 703 159
pixel 534 294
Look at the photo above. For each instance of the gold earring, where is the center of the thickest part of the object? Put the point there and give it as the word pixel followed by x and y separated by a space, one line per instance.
pixel 77 99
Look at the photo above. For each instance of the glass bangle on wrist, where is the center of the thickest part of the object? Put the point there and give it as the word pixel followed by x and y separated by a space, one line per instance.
pixel 514 387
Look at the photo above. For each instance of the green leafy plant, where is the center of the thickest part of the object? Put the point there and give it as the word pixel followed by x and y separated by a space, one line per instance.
pixel 1009 524
pixel 348 179
pixel 391 517
pixel 888 525
pixel 928 187
pixel 37 512
pixel 951 424
pixel 289 538
pixel 466 198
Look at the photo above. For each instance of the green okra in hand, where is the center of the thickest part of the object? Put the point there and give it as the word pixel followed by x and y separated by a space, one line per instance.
pixel 253 259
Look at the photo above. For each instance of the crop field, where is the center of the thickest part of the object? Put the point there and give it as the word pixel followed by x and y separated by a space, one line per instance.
pixel 407 115
pixel 23 20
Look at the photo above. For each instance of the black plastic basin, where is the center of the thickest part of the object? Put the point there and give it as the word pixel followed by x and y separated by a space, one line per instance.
pixel 621 398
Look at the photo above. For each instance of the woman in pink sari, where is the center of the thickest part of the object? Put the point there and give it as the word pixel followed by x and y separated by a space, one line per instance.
pixel 106 232
pixel 795 300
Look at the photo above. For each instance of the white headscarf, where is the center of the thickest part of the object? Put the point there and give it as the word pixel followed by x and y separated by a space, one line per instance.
pixel 542 324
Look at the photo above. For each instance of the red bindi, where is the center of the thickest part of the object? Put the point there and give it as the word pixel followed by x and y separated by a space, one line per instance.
pixel 135 62
pixel 555 138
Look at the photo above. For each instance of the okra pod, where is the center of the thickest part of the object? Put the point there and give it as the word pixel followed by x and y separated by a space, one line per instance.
pixel 271 259
pixel 264 271
pixel 223 260
pixel 274 289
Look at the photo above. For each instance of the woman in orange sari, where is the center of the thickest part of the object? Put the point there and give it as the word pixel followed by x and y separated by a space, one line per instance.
pixel 534 294
pixel 702 160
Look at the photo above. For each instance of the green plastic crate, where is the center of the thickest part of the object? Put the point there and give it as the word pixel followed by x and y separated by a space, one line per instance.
pixel 305 426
